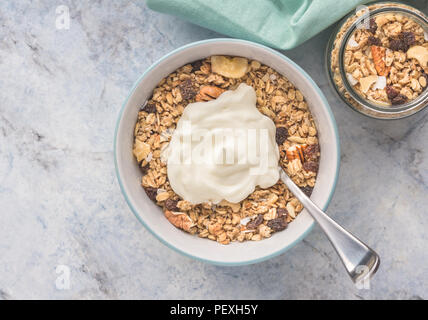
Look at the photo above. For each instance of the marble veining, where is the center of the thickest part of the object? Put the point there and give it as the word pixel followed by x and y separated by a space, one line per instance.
pixel 60 94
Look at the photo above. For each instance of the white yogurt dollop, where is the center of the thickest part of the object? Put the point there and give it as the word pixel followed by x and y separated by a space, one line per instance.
pixel 223 149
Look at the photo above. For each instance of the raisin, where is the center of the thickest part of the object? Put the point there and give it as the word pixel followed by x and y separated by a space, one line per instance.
pixel 404 41
pixel 282 212
pixel 391 92
pixel 307 190
pixel 171 205
pixel 277 224
pixel 150 107
pixel 151 193
pixel 145 169
pixel 310 166
pixel 399 99
pixel 311 152
pixel 374 41
pixel 196 65
pixel 281 135
pixel 373 26
pixel 408 38
pixel 253 224
pixel 397 45
pixel 187 89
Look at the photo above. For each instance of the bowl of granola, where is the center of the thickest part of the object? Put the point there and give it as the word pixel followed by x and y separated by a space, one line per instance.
pixel 263 223
pixel 377 60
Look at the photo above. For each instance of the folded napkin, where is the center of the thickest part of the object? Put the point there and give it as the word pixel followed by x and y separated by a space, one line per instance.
pixel 282 24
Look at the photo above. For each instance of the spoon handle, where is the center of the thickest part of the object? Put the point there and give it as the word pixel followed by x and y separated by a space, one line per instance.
pixel 360 261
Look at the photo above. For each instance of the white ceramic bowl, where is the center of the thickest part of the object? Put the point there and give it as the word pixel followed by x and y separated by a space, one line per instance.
pixel 151 216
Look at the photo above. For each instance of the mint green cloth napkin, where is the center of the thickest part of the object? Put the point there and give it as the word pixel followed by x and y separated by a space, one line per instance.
pixel 282 24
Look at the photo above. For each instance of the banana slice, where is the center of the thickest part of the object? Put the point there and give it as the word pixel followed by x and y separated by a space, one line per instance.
pixel 419 53
pixel 367 82
pixel 229 67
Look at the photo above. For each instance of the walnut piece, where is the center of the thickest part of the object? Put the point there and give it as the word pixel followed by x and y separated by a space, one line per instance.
pixel 180 220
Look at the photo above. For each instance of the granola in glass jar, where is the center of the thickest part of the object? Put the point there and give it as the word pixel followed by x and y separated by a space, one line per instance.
pixel 378 58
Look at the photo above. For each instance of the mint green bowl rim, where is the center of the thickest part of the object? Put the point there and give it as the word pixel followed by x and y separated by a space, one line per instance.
pixel 288 60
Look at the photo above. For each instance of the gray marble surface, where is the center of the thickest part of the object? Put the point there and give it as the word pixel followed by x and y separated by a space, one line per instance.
pixel 60 203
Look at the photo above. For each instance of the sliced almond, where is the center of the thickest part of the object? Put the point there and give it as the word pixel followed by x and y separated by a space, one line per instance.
pixel 291 210
pixel 162 196
pixel 423 81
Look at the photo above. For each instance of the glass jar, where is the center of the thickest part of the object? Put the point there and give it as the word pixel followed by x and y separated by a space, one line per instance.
pixel 394 85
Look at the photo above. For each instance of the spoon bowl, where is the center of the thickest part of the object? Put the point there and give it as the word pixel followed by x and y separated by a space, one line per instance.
pixel 360 261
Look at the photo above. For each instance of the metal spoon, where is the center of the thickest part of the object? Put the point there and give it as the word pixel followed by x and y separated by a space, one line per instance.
pixel 360 261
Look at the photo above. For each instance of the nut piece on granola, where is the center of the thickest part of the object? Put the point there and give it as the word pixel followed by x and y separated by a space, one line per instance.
pixel 296 152
pixel 208 93
pixel 235 67
pixel 180 220
pixel 378 54
pixel 419 53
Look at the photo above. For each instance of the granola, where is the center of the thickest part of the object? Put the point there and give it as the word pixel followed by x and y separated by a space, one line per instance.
pixel 385 63
pixel 263 212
